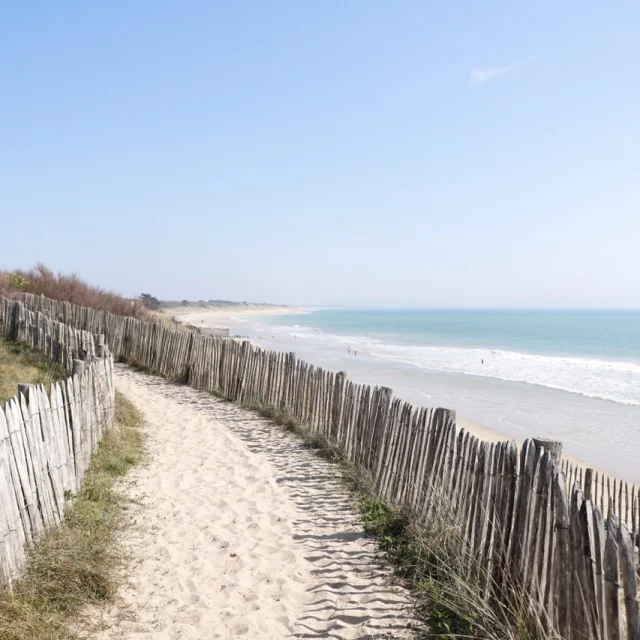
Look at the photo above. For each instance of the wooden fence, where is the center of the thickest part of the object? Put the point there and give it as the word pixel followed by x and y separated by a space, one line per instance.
pixel 47 438
pixel 520 520
pixel 60 342
pixel 612 495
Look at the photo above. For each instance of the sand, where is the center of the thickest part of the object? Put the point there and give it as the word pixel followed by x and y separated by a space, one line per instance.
pixel 493 435
pixel 239 531
pixel 221 316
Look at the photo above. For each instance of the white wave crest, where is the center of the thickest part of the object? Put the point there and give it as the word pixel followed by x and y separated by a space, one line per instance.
pixel 605 379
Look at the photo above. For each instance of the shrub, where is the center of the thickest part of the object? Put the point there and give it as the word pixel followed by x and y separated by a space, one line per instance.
pixel 70 288
pixel 149 301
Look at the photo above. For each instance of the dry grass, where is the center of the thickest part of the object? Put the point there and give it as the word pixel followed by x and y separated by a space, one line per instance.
pixel 68 287
pixel 76 564
pixel 19 364
pixel 459 597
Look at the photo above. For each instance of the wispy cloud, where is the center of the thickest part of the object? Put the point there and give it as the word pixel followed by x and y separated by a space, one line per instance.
pixel 480 76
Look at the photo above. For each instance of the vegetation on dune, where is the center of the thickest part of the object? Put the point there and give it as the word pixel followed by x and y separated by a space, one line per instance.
pixel 19 364
pixel 170 322
pixel 77 564
pixel 149 302
pixel 70 288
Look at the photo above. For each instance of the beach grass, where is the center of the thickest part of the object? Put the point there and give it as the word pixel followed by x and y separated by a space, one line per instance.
pixel 76 565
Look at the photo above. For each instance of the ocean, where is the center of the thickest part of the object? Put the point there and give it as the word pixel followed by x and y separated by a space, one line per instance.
pixel 568 375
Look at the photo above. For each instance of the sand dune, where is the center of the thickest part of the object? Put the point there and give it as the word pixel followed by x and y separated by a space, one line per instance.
pixel 242 532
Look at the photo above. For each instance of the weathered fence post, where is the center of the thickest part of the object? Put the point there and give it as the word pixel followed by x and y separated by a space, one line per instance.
pixel 78 367
pixel 12 334
pixel 100 346
pixel 588 484
pixel 552 446
pixel 24 390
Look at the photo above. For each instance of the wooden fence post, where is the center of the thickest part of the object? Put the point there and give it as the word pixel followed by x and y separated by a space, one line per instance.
pixel 552 446
pixel 24 390
pixel 588 484
pixel 78 367
pixel 100 346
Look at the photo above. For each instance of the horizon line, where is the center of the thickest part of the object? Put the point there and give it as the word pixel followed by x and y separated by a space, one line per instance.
pixel 418 308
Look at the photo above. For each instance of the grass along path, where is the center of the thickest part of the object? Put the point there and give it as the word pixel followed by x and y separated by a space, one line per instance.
pixel 77 564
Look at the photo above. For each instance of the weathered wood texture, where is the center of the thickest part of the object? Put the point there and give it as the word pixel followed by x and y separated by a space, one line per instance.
pixel 524 519
pixel 614 497
pixel 46 439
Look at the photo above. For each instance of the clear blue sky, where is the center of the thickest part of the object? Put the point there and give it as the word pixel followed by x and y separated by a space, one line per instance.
pixel 406 153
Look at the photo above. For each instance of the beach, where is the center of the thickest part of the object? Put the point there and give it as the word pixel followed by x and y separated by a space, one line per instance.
pixel 236 317
pixel 595 431
pixel 224 315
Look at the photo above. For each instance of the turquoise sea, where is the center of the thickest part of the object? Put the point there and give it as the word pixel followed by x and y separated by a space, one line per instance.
pixel 574 375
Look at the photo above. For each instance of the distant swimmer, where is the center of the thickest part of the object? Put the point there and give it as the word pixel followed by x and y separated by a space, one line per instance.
pixel 481 360
pixel 348 349
pixel 355 353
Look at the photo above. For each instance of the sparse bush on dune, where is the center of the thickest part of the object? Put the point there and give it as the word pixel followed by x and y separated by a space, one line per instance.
pixel 149 302
pixel 70 288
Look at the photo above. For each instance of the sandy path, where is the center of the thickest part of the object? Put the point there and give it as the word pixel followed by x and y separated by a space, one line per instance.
pixel 242 532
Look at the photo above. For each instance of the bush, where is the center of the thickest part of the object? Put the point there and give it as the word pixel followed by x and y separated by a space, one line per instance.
pixel 149 302
pixel 69 288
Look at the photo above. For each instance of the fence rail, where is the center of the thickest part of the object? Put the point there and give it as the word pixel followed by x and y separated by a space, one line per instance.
pixel 517 514
pixel 46 439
